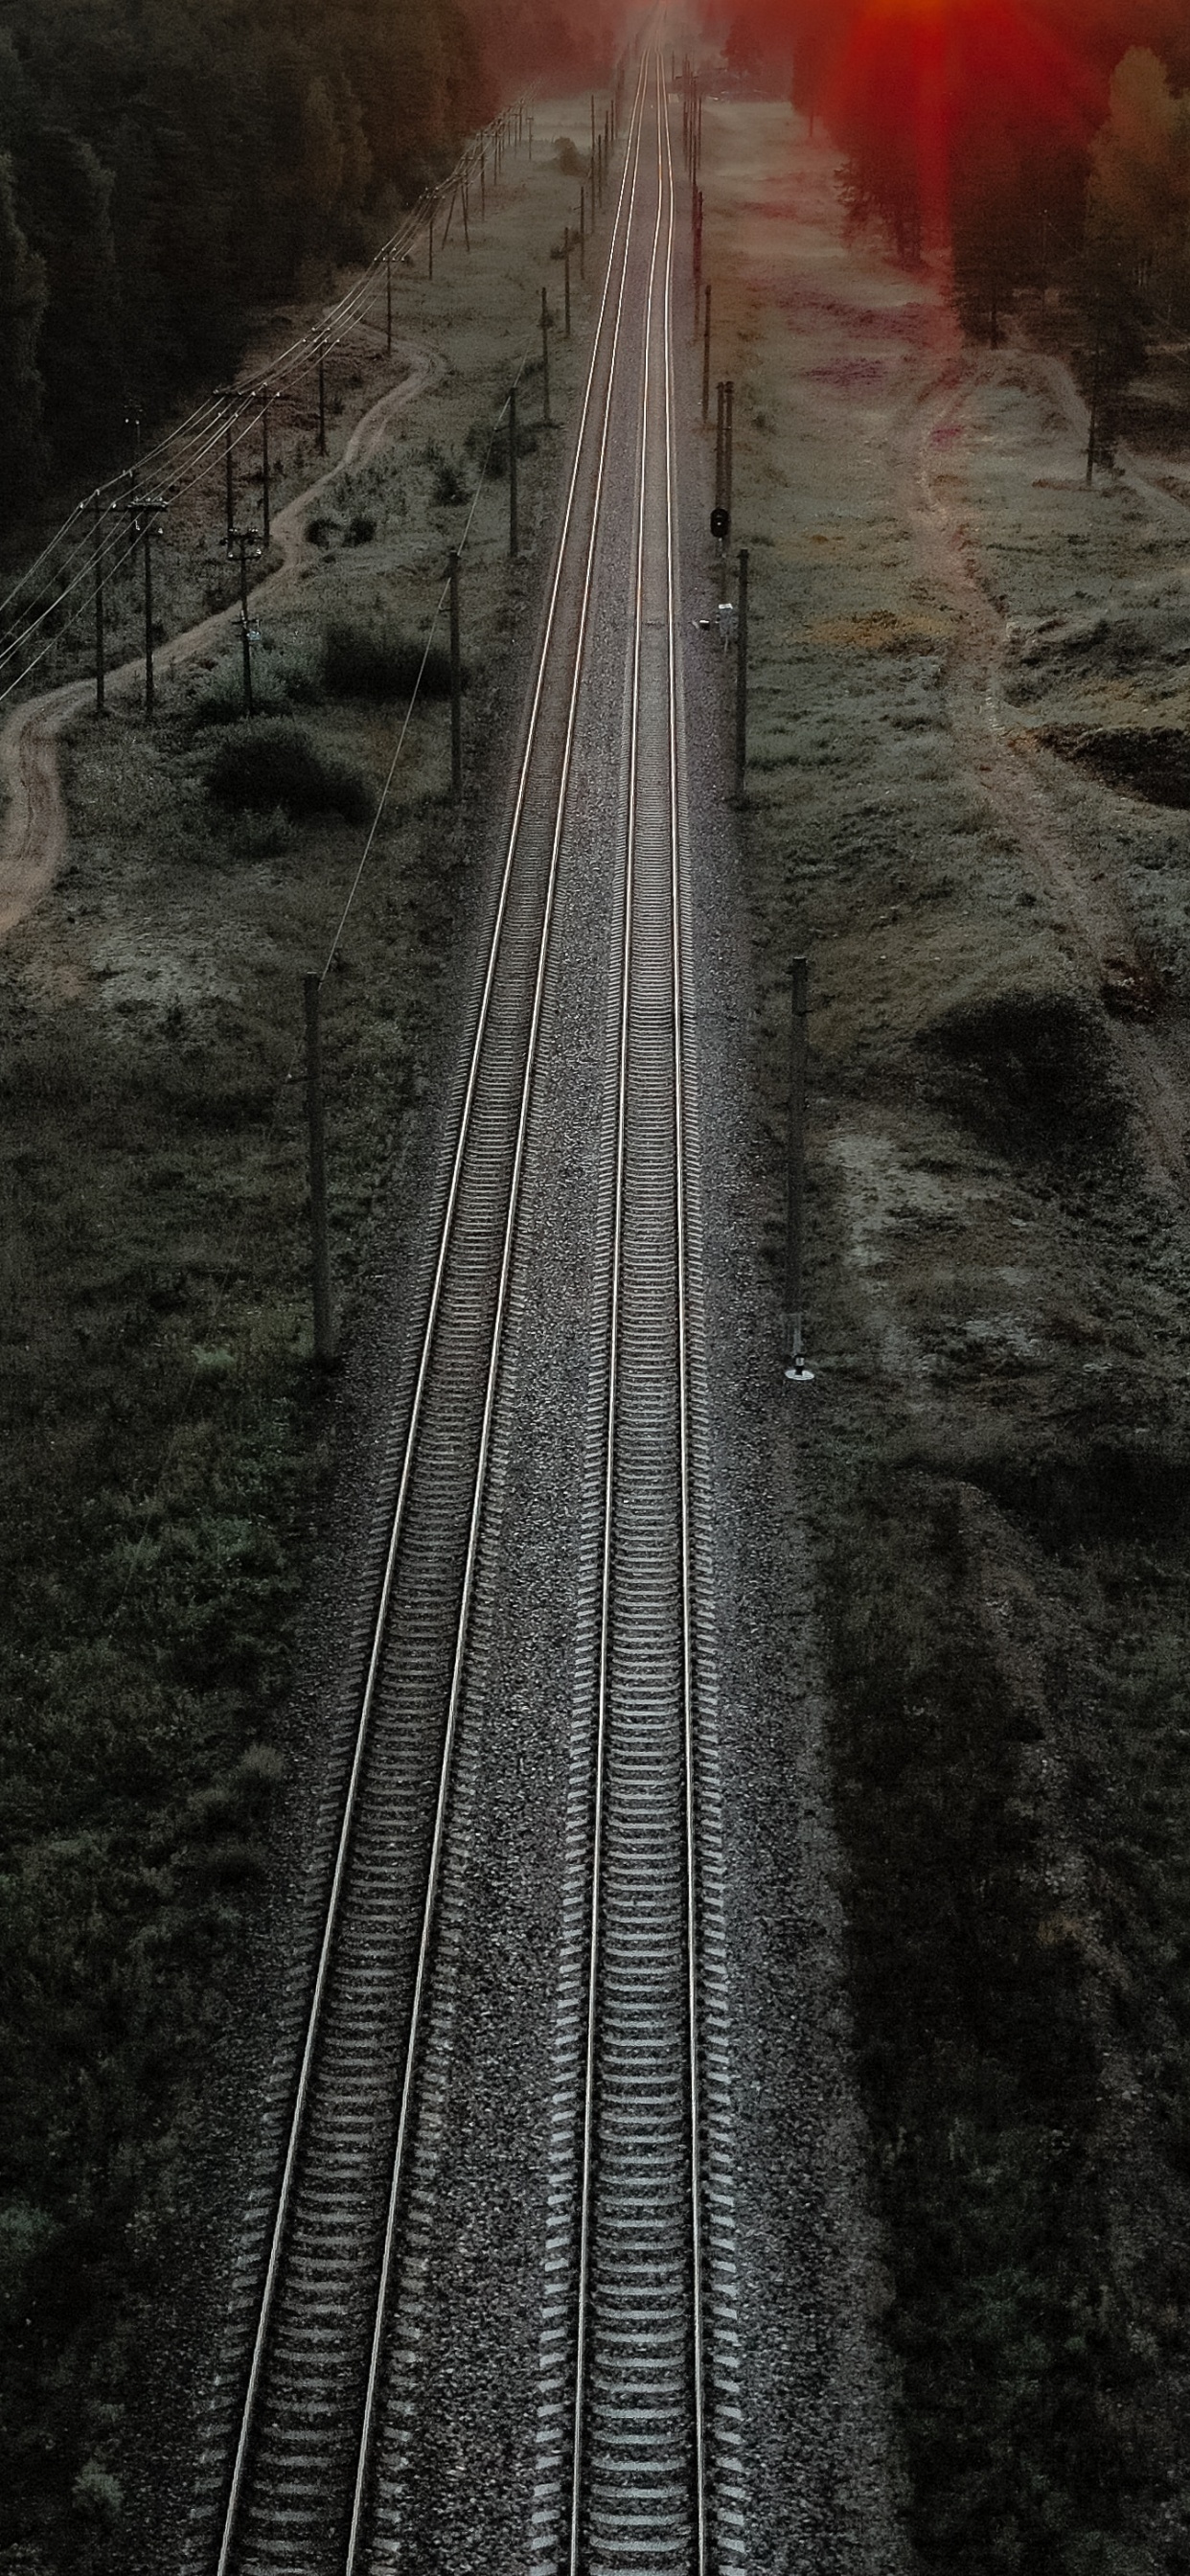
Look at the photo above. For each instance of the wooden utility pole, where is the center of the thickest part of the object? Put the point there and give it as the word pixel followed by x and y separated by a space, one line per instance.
pixel 582 233
pixel 546 328
pixel 249 543
pixel 706 357
pixel 324 1340
pixel 741 677
pixel 97 509
pixel 322 397
pixel 513 531
pixel 143 510
pixel 229 475
pixel 266 498
pixel 566 273
pixel 388 305
pixel 456 684
pixel 795 1179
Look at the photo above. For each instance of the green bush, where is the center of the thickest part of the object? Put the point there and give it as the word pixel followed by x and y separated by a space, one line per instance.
pixel 283 675
pixel 379 662
pixel 272 763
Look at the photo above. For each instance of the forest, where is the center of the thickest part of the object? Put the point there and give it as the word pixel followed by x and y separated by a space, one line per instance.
pixel 1028 137
pixel 164 168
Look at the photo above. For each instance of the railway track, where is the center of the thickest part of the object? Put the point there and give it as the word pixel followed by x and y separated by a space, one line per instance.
pixel 638 2429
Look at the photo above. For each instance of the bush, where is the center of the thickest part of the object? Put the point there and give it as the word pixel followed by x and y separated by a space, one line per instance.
pixel 362 528
pixel 275 764
pixel 449 487
pixel 380 662
pixel 568 158
pixel 283 675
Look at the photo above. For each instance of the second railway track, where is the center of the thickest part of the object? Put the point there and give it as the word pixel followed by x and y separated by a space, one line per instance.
pixel 638 2434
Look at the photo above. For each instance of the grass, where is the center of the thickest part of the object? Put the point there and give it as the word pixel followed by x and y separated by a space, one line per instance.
pixel 994 1467
pixel 167 1448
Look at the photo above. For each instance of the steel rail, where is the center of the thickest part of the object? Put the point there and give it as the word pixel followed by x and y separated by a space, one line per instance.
pixel 665 210
pixel 617 250
pixel 490 1397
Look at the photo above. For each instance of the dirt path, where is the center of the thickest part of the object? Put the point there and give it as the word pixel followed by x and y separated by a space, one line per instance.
pixel 33 839
pixel 1099 935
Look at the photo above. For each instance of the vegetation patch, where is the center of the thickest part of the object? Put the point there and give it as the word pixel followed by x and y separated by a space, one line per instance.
pixel 1030 1074
pixel 276 766
pixel 977 2060
pixel 381 663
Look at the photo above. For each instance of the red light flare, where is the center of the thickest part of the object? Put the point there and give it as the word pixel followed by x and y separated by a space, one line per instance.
pixel 931 78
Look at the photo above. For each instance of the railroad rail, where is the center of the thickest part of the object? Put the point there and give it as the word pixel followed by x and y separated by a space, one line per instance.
pixel 639 2434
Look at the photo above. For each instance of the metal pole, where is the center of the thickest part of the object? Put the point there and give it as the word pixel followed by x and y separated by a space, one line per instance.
pixel 322 398
pixel 466 225
pixel 456 683
pixel 545 361
pixel 229 476
pixel 566 269
pixel 741 678
pixel 99 637
pixel 706 358
pixel 513 531
pixel 431 239
pixel 795 1366
pixel 582 233
pixel 388 299
pixel 729 405
pixel 720 417
pixel 483 182
pixel 319 1237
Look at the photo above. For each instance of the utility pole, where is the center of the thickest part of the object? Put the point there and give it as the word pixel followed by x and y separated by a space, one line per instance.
pixel 706 357
pixel 266 498
pixel 456 684
pixel 143 509
pixel 546 328
pixel 795 1182
pixel 322 397
pixel 324 1336
pixel 566 272
pixel 513 531
pixel 388 305
pixel 97 509
pixel 729 405
pixel 229 474
pixel 466 225
pixel 741 678
pixel 249 543
pixel 720 422
pixel 483 181
pixel 582 234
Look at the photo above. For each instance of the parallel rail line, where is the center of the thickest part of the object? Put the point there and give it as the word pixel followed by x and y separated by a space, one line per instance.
pixel 638 2420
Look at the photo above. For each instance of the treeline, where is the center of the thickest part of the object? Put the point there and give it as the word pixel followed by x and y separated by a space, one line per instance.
pixel 1028 135
pixel 165 164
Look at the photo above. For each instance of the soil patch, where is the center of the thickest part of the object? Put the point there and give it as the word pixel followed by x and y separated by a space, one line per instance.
pixel 1031 1075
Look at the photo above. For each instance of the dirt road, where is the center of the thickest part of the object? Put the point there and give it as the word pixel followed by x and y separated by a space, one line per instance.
pixel 33 838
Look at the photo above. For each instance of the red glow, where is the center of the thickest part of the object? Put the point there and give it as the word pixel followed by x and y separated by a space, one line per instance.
pixel 929 76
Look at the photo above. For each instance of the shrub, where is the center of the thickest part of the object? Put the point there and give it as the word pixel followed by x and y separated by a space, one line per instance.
pixel 273 764
pixel 283 675
pixel 380 662
pixel 568 158
pixel 362 528
pixel 449 487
